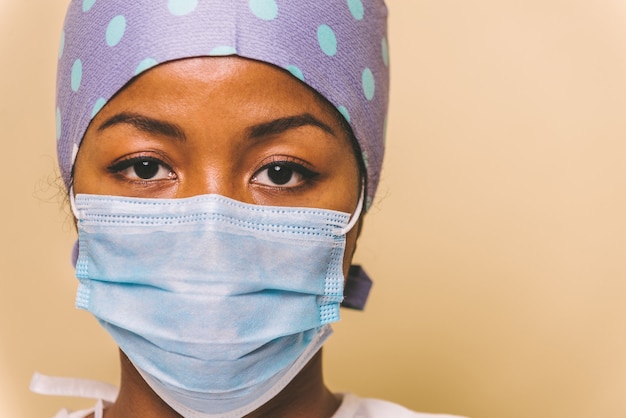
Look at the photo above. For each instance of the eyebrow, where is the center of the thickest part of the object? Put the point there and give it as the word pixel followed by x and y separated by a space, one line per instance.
pixel 144 123
pixel 278 126
pixel 155 126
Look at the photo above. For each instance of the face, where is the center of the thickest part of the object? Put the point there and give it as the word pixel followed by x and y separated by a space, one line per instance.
pixel 229 126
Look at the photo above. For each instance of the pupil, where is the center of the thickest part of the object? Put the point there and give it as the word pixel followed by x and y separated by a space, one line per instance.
pixel 280 175
pixel 146 169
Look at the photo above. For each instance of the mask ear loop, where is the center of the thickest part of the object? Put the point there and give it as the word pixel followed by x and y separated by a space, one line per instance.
pixel 72 199
pixel 73 203
pixel 355 216
pixel 74 257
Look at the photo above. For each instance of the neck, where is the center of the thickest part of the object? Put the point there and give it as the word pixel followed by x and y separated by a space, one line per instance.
pixel 306 396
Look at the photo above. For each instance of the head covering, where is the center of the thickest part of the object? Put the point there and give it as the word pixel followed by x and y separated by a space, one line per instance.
pixel 337 47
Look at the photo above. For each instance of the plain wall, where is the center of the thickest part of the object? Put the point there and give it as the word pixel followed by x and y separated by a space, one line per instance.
pixel 497 240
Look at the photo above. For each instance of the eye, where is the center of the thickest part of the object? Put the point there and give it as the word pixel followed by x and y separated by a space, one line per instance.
pixel 142 168
pixel 283 174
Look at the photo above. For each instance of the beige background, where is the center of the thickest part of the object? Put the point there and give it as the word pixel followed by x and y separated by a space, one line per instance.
pixel 497 242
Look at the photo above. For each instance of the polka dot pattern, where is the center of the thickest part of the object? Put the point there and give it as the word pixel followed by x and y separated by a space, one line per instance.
pixel 115 30
pixel 144 65
pixel 337 48
pixel 182 7
pixel 327 40
pixel 88 4
pixel 62 44
pixel 58 123
pixel 296 72
pixel 356 8
pixel 223 50
pixel 368 82
pixel 385 51
pixel 77 74
pixel 264 9
pixel 98 106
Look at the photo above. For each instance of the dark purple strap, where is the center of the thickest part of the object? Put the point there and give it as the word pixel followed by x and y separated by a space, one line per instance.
pixel 357 288
pixel 74 258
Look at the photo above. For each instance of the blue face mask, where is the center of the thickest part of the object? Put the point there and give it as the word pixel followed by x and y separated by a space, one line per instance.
pixel 217 303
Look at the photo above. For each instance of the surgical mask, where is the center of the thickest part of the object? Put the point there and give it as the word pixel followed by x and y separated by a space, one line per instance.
pixel 217 303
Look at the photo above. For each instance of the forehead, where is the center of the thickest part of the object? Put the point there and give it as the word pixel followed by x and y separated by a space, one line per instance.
pixel 232 84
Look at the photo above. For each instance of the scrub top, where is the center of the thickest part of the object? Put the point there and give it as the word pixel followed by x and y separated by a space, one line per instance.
pixel 351 406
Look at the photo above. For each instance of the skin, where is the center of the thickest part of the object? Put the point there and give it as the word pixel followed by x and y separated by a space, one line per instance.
pixel 222 125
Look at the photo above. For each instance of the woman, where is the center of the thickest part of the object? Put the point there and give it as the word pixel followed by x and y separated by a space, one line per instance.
pixel 218 157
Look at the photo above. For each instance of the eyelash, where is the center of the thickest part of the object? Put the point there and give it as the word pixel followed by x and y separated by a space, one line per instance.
pixel 127 163
pixel 289 163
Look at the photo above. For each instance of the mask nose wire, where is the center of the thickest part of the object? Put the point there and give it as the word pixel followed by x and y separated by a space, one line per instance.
pixel 355 216
pixel 343 231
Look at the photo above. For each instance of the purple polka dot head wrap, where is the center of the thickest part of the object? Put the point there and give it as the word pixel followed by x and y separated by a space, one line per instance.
pixel 338 47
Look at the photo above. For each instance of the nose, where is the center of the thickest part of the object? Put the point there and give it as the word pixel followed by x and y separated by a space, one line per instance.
pixel 214 178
